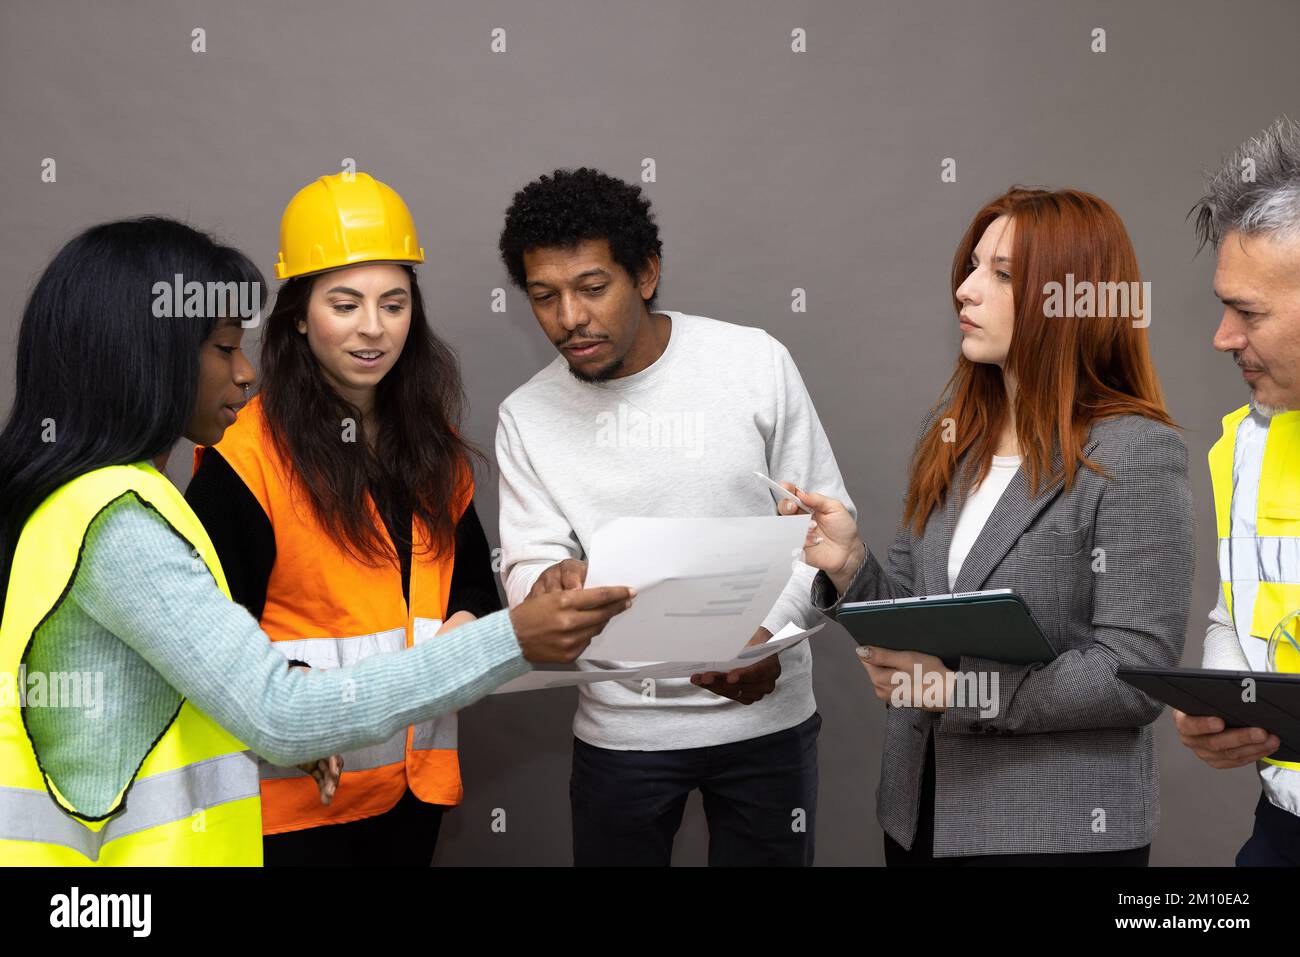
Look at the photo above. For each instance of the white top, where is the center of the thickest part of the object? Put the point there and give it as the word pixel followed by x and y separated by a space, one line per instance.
pixel 681 438
pixel 977 508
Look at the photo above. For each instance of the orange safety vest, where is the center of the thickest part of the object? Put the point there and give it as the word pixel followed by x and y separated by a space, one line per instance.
pixel 327 609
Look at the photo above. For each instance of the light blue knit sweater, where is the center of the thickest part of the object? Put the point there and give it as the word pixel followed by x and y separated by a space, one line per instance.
pixel 149 619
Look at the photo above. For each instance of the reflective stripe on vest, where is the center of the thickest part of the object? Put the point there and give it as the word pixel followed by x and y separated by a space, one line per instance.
pixel 194 798
pixel 326 608
pixel 1260 574
pixel 27 815
pixel 339 652
pixel 1260 559
pixel 323 653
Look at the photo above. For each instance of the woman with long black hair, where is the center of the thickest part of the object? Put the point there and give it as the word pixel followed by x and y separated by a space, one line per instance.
pixel 343 496
pixel 140 685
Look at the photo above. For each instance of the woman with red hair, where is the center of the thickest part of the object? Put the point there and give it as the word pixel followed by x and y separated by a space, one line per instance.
pixel 1048 466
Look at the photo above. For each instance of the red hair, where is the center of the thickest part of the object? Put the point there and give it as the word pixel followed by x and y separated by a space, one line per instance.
pixel 1070 371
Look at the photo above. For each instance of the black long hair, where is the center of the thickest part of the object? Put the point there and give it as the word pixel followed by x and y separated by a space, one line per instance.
pixel 419 460
pixel 101 380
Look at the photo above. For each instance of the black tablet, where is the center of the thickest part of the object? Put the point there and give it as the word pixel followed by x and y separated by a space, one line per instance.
pixel 995 625
pixel 1243 699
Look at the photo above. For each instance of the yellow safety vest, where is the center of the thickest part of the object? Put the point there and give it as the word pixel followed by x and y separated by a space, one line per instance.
pixel 194 799
pixel 1269 562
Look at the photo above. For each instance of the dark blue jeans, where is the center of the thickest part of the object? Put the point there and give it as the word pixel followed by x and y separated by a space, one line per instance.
pixel 760 800
pixel 1275 841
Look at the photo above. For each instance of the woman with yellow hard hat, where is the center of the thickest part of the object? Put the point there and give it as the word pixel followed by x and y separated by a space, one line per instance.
pixel 341 504
pixel 133 687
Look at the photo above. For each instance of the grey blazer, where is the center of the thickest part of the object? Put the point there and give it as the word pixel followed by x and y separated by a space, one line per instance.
pixel 1068 764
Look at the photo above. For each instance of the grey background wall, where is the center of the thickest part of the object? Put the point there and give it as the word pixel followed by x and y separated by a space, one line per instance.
pixel 774 170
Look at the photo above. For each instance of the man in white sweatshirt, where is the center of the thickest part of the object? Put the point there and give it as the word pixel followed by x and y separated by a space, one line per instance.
pixel 657 414
pixel 1251 215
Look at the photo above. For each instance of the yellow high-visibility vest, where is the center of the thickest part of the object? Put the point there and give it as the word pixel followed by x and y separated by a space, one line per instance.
pixel 194 799
pixel 1267 564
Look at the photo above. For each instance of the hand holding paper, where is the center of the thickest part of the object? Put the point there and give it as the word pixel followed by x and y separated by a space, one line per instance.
pixel 556 626
pixel 746 685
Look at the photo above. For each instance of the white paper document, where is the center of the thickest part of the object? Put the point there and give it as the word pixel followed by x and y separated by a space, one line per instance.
pixel 787 637
pixel 704 585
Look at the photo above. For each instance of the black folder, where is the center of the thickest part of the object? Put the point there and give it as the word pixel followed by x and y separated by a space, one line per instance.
pixel 1203 691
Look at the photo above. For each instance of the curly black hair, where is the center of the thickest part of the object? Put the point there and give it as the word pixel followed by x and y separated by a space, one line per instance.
pixel 570 206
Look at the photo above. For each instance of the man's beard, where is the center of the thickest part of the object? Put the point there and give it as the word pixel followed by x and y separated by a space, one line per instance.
pixel 1267 411
pixel 600 375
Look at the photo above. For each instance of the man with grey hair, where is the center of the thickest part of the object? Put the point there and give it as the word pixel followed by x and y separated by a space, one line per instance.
pixel 1250 214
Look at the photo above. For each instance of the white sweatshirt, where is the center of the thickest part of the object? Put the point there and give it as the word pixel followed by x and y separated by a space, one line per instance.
pixel 681 438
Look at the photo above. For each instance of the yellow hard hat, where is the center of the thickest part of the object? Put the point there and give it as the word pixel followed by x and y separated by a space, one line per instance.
pixel 342 220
